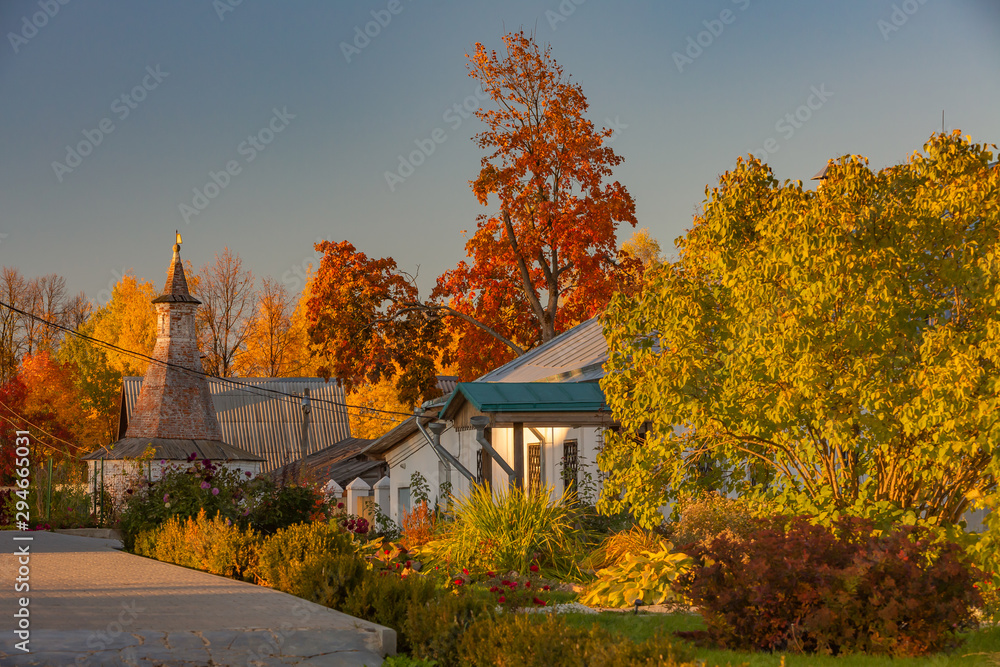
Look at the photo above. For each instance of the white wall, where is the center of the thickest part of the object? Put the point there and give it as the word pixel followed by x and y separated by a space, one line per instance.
pixel 415 454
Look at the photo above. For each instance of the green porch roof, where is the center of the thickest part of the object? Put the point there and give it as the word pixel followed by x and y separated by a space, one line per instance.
pixel 490 397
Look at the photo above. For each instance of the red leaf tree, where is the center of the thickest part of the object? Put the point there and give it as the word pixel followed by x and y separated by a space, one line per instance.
pixel 543 261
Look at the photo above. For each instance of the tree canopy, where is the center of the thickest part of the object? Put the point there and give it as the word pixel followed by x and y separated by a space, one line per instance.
pixel 543 260
pixel 836 350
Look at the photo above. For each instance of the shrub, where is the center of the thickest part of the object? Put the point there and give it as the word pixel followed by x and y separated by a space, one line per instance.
pixel 284 554
pixel 645 576
pixel 280 506
pixel 435 628
pixel 707 515
pixel 387 598
pixel 418 526
pixel 521 639
pixel 831 590
pixel 509 531
pixel 214 545
pixel 617 545
pixel 326 578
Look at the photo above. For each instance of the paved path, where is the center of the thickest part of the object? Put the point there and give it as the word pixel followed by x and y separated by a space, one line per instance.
pixel 90 604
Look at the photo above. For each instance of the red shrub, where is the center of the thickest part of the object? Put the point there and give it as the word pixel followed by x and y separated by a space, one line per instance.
pixel 812 588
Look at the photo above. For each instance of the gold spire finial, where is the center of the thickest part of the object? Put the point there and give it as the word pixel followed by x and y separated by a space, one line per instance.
pixel 178 236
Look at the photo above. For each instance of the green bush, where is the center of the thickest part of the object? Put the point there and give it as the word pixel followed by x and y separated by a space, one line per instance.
pixel 510 530
pixel 388 599
pixel 326 578
pixel 214 545
pixel 435 628
pixel 284 555
pixel 809 588
pixel 186 489
pixel 523 639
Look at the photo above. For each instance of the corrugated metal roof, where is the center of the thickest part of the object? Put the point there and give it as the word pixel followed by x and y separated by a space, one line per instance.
pixel 528 397
pixel 577 355
pixel 267 424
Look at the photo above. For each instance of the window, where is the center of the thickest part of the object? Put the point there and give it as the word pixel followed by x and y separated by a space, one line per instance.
pixel 404 501
pixel 534 466
pixel 570 465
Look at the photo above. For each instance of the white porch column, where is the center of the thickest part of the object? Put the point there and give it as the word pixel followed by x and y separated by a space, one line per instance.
pixel 383 494
pixel 357 490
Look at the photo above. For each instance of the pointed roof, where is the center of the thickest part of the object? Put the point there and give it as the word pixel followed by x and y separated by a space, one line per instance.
pixel 174 412
pixel 176 288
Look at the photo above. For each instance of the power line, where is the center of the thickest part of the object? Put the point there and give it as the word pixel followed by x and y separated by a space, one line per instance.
pixel 37 427
pixel 242 385
pixel 47 444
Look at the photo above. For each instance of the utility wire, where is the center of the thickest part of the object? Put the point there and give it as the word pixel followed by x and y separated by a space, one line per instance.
pixel 37 439
pixel 237 383
pixel 37 427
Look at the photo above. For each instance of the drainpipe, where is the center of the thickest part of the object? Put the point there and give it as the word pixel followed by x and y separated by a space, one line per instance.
pixel 435 443
pixel 480 422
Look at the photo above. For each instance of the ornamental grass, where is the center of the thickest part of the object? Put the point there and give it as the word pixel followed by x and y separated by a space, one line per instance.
pixel 510 531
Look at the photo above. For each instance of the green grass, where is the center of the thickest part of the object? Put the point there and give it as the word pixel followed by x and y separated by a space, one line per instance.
pixel 979 648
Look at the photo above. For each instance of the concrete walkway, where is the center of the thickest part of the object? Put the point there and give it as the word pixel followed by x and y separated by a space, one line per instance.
pixel 90 604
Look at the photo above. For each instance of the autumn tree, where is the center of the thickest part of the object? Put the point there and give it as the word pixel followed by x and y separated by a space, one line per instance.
pixel 835 350
pixel 228 309
pixel 273 338
pixel 543 259
pixel 13 291
pixel 127 321
pixel 366 321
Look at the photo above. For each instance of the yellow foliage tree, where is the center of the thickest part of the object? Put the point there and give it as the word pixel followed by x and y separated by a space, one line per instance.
pixel 129 322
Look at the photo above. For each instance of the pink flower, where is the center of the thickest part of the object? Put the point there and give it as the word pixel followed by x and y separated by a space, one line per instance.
pixel 501 599
pixel 205 485
pixel 215 492
pixel 166 497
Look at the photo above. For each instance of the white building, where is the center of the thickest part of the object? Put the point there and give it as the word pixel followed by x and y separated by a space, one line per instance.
pixel 542 414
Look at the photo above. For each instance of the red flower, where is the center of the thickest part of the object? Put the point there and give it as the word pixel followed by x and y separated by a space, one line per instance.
pixel 495 589
pixel 533 568
pixel 465 570
pixel 540 603
pixel 409 563
pixel 387 551
pixel 502 599
pixel 545 588
pixel 459 582
pixel 491 574
pixel 527 584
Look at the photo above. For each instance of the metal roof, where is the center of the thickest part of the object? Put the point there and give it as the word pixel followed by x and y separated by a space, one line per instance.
pixel 341 462
pixel 577 355
pixel 264 423
pixel 490 397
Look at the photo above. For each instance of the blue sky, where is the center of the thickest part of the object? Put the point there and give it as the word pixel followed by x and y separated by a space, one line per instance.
pixel 688 85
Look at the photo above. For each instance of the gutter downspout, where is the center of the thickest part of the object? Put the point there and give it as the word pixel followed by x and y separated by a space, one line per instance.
pixel 443 454
pixel 480 422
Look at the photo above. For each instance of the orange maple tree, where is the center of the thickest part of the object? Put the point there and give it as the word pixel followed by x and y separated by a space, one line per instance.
pixel 546 258
pixel 543 261
pixel 365 323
